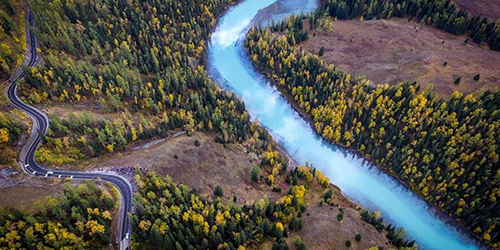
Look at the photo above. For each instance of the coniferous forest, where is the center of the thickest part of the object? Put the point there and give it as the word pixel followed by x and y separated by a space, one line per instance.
pixel 142 58
pixel 12 37
pixel 144 61
pixel 140 65
pixel 445 149
pixel 172 216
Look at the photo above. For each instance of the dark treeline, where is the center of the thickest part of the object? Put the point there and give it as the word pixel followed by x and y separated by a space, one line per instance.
pixel 446 150
pixel 442 14
pixel 80 218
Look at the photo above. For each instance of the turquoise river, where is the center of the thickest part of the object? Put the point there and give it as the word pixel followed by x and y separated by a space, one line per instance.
pixel 365 185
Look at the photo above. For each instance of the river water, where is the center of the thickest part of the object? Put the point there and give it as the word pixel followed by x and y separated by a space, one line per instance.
pixel 366 185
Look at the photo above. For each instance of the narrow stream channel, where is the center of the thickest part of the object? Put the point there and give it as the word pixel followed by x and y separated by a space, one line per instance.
pixel 366 185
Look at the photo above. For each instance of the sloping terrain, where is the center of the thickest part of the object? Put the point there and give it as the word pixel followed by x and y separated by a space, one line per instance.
pixel 486 8
pixel 390 51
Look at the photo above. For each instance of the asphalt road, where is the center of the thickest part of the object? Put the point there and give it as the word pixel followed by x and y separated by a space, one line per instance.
pixel 41 123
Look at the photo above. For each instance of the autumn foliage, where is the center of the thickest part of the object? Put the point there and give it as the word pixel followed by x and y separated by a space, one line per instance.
pixel 447 150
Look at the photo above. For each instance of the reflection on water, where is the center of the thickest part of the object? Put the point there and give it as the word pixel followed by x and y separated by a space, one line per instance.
pixel 368 186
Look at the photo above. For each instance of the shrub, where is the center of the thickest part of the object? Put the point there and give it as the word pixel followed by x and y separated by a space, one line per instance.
pixel 477 77
pixel 255 173
pixel 348 243
pixel 197 143
pixel 357 237
pixel 302 246
pixel 297 240
pixel 340 216
pixel 218 191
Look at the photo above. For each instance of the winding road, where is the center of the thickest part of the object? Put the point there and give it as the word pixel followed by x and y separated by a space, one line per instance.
pixel 40 125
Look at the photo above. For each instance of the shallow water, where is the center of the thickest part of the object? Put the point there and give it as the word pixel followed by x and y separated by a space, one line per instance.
pixel 368 186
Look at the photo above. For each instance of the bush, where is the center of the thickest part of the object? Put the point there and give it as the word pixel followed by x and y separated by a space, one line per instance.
pixel 457 81
pixel 357 237
pixel 297 240
pixel 328 194
pixel 197 143
pixel 321 51
pixel 218 191
pixel 477 77
pixel 255 173
pixel 293 224
pixel 301 246
pixel 348 243
pixel 340 216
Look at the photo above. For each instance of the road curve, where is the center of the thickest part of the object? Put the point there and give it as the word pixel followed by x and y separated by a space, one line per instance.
pixel 40 125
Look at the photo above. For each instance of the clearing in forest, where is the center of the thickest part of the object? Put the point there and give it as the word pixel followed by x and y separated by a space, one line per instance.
pixel 397 50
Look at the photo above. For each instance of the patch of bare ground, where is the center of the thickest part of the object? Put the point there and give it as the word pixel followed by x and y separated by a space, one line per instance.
pixel 322 230
pixel 200 167
pixel 25 196
pixel 486 8
pixel 62 110
pixel 390 51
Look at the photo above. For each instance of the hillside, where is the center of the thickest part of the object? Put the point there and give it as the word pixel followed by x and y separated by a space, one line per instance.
pixel 395 50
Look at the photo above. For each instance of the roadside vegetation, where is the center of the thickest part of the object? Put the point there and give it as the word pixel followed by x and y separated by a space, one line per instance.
pixel 12 36
pixel 12 46
pixel 81 218
pixel 10 132
pixel 12 126
pixel 445 150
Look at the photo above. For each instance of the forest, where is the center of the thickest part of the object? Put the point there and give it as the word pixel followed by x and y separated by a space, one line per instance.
pixel 446 150
pixel 174 216
pixel 12 37
pixel 81 218
pixel 139 59
pixel 171 215
pixel 11 130
pixel 143 60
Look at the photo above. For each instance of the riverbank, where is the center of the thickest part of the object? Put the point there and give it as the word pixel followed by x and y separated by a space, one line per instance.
pixel 449 219
pixel 436 210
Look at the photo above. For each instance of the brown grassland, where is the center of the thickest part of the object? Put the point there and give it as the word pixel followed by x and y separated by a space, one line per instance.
pixel 210 164
pixel 25 196
pixel 390 51
pixel 486 8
